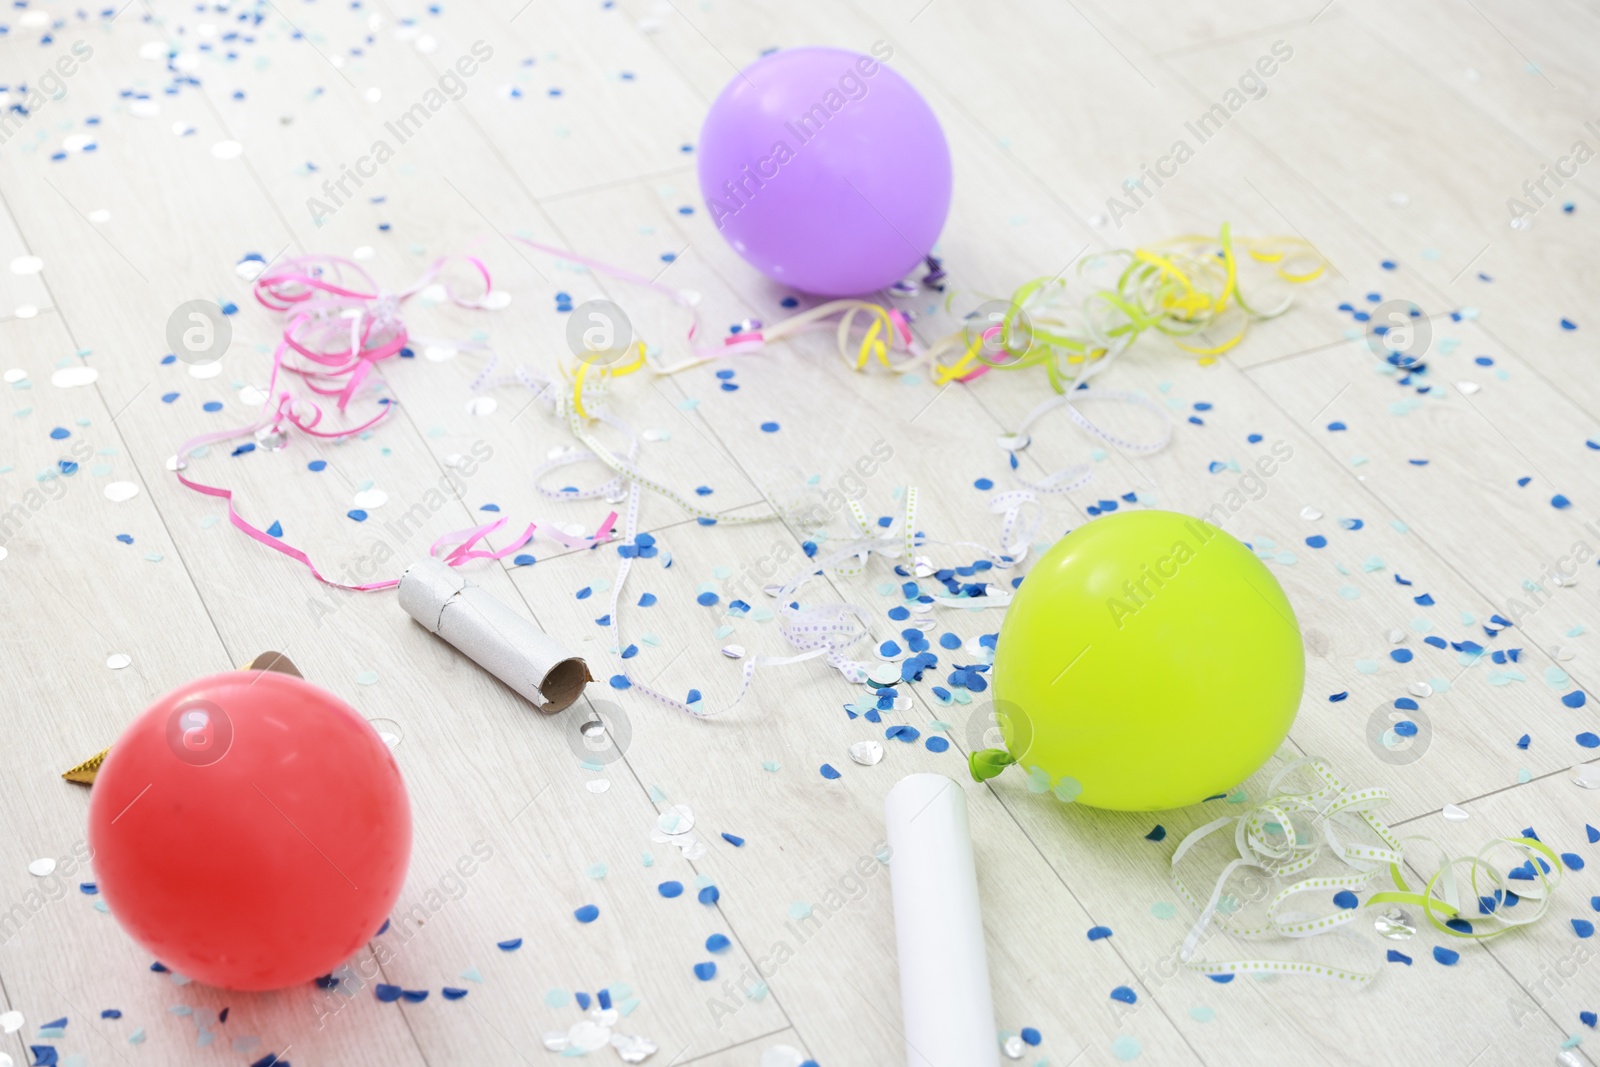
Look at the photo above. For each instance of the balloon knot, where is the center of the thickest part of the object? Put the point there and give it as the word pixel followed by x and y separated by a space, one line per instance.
pixel 988 763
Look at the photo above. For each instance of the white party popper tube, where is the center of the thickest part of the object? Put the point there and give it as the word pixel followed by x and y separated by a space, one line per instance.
pixel 944 973
pixel 493 636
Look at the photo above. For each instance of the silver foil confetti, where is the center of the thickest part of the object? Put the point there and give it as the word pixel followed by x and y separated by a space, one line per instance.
pixel 1394 924
pixel 493 636
pixel 866 753
pixel 632 1048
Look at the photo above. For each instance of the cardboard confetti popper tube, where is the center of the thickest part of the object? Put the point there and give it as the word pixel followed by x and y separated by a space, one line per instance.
pixel 938 929
pixel 493 636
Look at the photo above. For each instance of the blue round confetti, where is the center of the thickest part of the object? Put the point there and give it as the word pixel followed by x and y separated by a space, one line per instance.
pixel 670 889
pixel 587 914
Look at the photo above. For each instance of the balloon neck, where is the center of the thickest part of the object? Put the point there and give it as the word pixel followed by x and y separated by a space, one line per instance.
pixel 989 762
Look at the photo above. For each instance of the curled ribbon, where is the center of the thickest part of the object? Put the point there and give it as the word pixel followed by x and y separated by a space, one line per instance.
pixel 337 329
pixel 1293 832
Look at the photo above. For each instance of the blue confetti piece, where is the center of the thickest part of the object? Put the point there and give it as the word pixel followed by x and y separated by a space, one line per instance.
pixel 1335 427
pixel 1124 994
pixel 1588 740
pixel 524 560
pixel 1575 699
pixel 1460 926
pixel 1560 502
pixel 1583 927
pixel 275 530
pixel 647 600
pixel 670 889
pixel 710 895
pixel 1594 835
pixel 935 743
pixel 414 996
pixel 1588 1018
pixel 60 433
pixel 830 773
pixel 1425 600
pixel 603 998
pixel 1220 979
pixel 1346 899
pixel 733 839
pixel 706 599
pixel 1399 957
pixel 1405 728
pixel 1573 861
pixel 1446 956
pixel 1405 704
pixel 587 914
pixel 1099 933
pixel 705 971
pixel 452 993
pixel 357 514
pixel 1030 1036
pixel 509 946
pixel 111 1013
pixel 1402 655
pixel 126 539
pixel 1568 324
pixel 717 943
pixel 386 993
pixel 583 1000
pixel 769 427
pixel 1317 541
pixel 1334 698
pixel 984 484
pixel 620 681
pixel 1159 833
pixel 317 465
pixel 693 697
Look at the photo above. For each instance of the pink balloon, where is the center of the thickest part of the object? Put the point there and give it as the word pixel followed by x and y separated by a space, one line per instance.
pixel 826 170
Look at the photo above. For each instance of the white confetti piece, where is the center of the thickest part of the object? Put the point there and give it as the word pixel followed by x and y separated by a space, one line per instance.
pixel 70 377
pixel 99 214
pixel 496 300
pixel 153 50
pixel 118 660
pixel 370 498
pixel 227 150
pixel 3 552
pixel 373 95
pixel 363 252
pixel 1587 775
pixel 26 311
pixel 733 651
pixel 76 142
pixel 598 785
pixel 11 1021
pixel 205 370
pixel 1468 388
pixel 144 109
pixel 42 868
pixel 120 492
pixel 15 375
pixel 1310 514
pixel 482 405
pixel 1454 814
pixel 27 265
pixel 782 1056
pixel 34 20
pixel 438 353
pixel 427 45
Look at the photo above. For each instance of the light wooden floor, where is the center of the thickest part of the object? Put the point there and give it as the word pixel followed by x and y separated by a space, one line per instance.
pixel 1396 132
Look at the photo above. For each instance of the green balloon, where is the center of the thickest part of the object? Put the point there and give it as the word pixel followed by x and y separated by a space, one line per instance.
pixel 1149 661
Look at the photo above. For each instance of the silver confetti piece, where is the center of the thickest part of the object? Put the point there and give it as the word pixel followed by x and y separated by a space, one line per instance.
pixel 866 753
pixel 1310 514
pixel 556 1040
pixel 733 651
pixel 632 1048
pixel 1013 1047
pixel 1394 924
pixel 1420 689
pixel 1587 775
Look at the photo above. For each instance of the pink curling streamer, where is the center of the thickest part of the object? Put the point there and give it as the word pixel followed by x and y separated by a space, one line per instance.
pixel 323 310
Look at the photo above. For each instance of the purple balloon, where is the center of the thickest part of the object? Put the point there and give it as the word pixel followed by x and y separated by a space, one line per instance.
pixel 825 170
